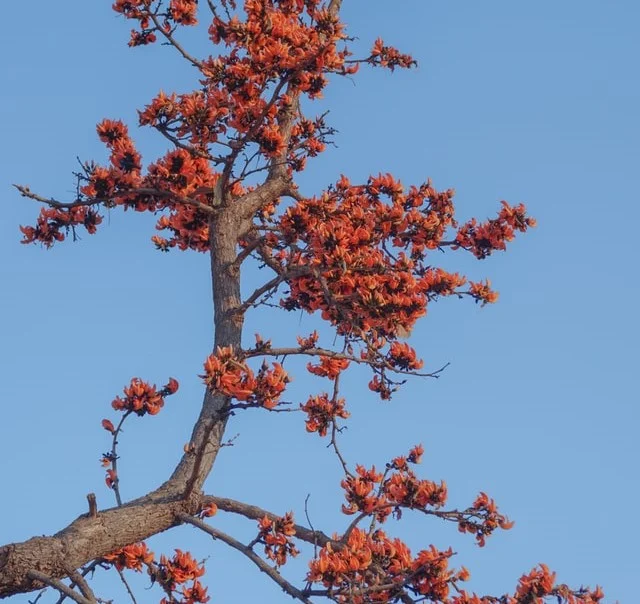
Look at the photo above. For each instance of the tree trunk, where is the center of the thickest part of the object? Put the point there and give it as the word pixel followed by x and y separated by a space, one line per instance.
pixel 88 538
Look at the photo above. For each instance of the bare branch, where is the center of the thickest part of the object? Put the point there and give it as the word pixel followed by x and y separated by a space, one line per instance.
pixel 255 296
pixel 326 352
pixel 80 581
pixel 85 571
pixel 171 40
pixel 92 201
pixel 249 553
pixel 334 444
pixel 61 587
pixel 255 513
pixel 124 581
pixel 112 457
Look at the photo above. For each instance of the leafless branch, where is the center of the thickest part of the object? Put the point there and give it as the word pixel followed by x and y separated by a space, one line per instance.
pixel 85 571
pixel 92 201
pixel 334 444
pixel 124 581
pixel 189 148
pixel 60 586
pixel 40 594
pixel 249 553
pixel 113 457
pixel 80 581
pixel 255 513
pixel 326 352
pixel 171 40
pixel 306 513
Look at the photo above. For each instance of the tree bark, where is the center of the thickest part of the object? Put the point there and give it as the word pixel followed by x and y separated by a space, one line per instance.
pixel 88 538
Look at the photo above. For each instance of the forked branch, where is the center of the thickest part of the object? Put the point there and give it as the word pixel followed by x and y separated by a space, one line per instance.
pixel 271 572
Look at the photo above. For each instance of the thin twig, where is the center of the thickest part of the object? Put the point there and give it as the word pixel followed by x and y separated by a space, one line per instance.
pixel 334 444
pixel 124 580
pixel 40 594
pixel 306 513
pixel 92 201
pixel 113 458
pixel 174 42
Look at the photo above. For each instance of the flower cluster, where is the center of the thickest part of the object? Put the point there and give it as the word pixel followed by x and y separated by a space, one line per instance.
pixel 276 535
pixel 179 570
pixel 402 356
pixel 133 557
pixel 322 412
pixel 231 376
pixel 363 493
pixel 371 567
pixel 179 12
pixel 53 224
pixel 329 367
pixel 482 518
pixel 414 456
pixel 338 251
pixel 142 398
pixel 308 342
pixel 540 583
pixel 170 573
pixel 382 386
pixel 388 56
pixel 482 292
pixel 374 493
pixel 483 239
pixel 112 183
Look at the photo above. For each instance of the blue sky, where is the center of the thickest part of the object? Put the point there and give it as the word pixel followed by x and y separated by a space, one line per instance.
pixel 534 102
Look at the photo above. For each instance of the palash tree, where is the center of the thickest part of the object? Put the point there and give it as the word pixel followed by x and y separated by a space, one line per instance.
pixel 360 255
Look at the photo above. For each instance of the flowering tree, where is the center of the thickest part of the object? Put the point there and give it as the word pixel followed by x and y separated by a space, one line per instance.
pixel 360 255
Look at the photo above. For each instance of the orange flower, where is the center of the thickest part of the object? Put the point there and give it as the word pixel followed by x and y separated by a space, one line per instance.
pixel 276 535
pixel 108 426
pixel 111 478
pixel 330 367
pixel 141 398
pixel 321 412
pixel 209 510
pixel 482 292
pixel 403 357
pixel 179 569
pixel 132 556
pixel 171 387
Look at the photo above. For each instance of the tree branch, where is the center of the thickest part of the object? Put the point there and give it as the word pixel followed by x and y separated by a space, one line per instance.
pixel 92 201
pixel 173 42
pixel 80 581
pixel 255 513
pixel 249 553
pixel 61 587
pixel 325 352
pixel 126 584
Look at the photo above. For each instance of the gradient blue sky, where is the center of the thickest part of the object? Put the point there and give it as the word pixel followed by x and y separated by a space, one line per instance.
pixel 524 101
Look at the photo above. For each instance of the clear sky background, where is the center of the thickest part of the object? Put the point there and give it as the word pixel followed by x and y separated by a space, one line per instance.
pixel 524 101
